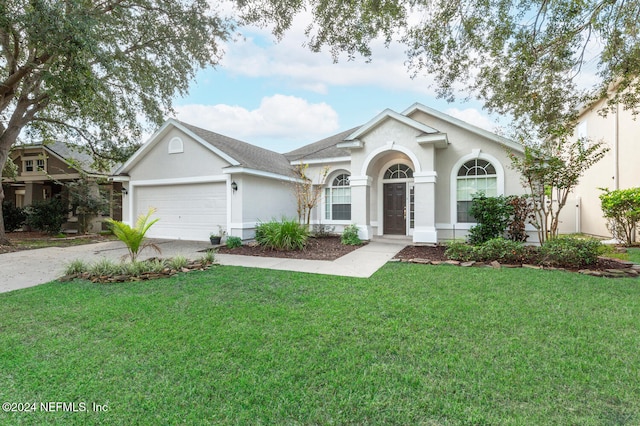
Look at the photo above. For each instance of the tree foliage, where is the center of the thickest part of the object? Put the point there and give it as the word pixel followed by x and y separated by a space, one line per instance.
pixel 523 58
pixel 622 208
pixel 306 192
pixel 549 172
pixel 92 71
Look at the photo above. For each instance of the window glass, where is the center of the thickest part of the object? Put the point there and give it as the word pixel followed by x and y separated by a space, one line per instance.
pixel 338 199
pixel 474 177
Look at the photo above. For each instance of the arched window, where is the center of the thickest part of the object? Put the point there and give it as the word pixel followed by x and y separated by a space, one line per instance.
pixel 474 177
pixel 338 199
pixel 398 171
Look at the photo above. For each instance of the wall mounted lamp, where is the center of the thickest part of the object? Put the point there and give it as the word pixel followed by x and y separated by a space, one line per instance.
pixel 234 186
pixel 124 191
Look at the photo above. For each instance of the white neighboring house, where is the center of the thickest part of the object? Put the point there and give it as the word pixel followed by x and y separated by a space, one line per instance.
pixel 411 173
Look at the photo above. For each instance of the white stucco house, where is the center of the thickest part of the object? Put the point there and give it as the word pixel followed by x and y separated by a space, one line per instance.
pixel 618 169
pixel 411 173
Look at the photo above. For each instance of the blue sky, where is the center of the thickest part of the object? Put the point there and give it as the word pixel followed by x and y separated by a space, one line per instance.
pixel 281 96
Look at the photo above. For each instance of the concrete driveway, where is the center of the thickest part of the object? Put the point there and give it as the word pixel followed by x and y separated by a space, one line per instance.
pixel 32 267
pixel 28 268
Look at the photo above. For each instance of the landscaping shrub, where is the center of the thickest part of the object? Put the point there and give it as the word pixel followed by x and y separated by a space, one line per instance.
pixel 502 250
pixel 321 230
pixel 14 217
pixel 233 242
pixel 492 215
pixel 521 211
pixel 178 262
pixel 47 215
pixel 622 208
pixel 461 251
pixel 570 252
pixel 285 235
pixel 350 236
pixel 134 238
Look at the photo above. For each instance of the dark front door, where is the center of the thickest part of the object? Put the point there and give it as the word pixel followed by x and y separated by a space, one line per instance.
pixel 395 204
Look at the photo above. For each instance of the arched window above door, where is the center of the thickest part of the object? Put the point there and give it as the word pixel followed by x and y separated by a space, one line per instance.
pixel 398 171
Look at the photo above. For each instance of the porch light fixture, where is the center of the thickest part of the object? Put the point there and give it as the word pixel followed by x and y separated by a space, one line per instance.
pixel 234 186
pixel 124 191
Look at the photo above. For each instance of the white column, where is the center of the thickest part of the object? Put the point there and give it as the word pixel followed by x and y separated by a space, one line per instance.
pixel 425 209
pixel 360 200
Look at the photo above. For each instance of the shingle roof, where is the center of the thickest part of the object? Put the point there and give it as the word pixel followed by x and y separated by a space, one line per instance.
pixel 72 155
pixel 325 148
pixel 250 156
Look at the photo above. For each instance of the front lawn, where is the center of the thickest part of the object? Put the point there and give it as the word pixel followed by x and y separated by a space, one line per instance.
pixel 414 344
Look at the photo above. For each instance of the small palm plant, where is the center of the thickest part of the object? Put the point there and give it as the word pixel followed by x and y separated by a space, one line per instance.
pixel 134 237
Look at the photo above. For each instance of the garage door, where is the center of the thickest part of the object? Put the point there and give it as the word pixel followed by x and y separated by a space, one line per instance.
pixel 186 212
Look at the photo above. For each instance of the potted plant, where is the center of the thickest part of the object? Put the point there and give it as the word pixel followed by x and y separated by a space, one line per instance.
pixel 215 237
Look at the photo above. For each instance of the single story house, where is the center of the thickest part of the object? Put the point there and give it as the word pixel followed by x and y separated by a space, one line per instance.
pixel 411 173
pixel 617 170
pixel 43 170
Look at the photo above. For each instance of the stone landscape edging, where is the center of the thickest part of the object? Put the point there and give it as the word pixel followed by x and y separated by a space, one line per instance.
pixel 629 270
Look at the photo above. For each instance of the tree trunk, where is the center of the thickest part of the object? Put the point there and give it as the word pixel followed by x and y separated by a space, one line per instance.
pixel 7 138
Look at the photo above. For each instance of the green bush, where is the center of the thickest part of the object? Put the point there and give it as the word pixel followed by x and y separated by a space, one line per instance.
pixel 622 208
pixel 502 250
pixel 233 242
pixel 461 251
pixel 14 217
pixel 350 236
pixel 570 252
pixel 285 235
pixel 492 215
pixel 47 215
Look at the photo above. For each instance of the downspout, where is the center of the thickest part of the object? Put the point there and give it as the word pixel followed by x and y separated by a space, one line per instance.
pixel 616 136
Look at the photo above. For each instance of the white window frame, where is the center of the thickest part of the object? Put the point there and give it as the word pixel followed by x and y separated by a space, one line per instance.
pixel 328 198
pixel 475 154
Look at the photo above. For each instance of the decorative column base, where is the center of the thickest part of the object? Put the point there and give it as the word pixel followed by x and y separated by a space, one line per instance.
pixel 425 235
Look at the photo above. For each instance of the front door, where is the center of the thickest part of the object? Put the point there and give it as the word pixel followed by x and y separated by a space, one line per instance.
pixel 395 205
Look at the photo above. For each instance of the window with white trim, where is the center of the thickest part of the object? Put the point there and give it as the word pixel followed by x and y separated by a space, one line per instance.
pixel 28 165
pixel 338 199
pixel 474 177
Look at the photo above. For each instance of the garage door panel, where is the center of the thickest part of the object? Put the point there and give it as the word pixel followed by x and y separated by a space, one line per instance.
pixel 188 212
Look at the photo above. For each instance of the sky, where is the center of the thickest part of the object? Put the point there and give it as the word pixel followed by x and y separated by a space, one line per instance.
pixel 281 96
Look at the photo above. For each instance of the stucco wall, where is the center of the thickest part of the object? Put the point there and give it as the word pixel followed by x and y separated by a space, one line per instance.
pixel 195 161
pixel 259 199
pixel 617 170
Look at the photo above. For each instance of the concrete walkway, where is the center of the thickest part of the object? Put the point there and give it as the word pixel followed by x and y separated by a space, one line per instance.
pixel 32 267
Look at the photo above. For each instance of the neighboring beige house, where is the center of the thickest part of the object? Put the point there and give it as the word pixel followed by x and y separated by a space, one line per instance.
pixel 410 173
pixel 43 171
pixel 619 169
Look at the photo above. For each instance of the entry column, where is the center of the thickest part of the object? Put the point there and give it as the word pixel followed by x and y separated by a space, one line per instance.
pixel 360 199
pixel 425 207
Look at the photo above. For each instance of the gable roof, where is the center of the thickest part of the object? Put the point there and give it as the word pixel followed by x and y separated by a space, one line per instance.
pixel 325 148
pixel 245 154
pixel 70 154
pixel 463 124
pixel 386 115
pixel 234 151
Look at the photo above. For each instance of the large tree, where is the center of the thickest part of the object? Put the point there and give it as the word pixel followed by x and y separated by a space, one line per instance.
pixel 523 58
pixel 91 71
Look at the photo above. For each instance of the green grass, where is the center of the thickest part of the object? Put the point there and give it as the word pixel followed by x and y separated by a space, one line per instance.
pixel 415 344
pixel 634 254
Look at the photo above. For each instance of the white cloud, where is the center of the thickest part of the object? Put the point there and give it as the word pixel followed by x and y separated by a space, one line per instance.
pixel 278 117
pixel 253 57
pixel 473 116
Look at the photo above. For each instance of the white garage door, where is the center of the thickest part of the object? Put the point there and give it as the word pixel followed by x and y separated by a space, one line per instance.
pixel 186 212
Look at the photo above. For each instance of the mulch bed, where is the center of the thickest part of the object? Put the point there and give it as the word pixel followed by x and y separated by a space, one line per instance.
pixel 20 240
pixel 605 267
pixel 326 248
